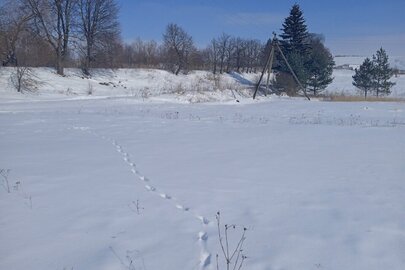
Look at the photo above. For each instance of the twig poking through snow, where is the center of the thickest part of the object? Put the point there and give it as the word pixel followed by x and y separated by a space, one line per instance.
pixel 4 173
pixel 233 262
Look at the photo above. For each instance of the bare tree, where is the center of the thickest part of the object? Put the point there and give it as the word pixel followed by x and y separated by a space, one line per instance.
pixel 240 47
pixel 110 54
pixel 223 43
pixel 178 48
pixel 98 23
pixel 229 54
pixel 34 51
pixel 213 55
pixel 53 20
pixel 254 50
pixel 152 52
pixel 142 54
pixel 14 16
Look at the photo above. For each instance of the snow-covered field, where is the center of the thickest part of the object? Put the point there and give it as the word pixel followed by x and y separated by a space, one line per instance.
pixel 342 84
pixel 123 184
pixel 355 61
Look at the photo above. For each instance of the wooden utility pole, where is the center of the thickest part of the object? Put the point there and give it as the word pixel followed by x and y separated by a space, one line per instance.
pixel 269 68
pixel 269 64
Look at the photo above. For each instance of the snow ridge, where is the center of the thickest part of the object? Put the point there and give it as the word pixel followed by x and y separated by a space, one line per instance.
pixel 205 255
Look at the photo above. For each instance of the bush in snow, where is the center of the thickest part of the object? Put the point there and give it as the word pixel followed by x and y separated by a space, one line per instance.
pixel 23 79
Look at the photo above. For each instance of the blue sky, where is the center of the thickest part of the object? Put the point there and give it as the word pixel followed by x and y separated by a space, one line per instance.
pixel 349 26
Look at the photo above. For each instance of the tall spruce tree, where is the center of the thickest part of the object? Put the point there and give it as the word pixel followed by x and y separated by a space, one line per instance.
pixel 320 66
pixel 295 45
pixel 295 34
pixel 382 73
pixel 310 60
pixel 364 77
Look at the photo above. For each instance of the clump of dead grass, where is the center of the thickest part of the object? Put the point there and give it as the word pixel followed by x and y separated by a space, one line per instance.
pixel 344 98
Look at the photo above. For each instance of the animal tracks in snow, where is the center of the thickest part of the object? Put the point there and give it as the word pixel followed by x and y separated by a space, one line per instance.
pixel 181 207
pixel 205 256
pixel 143 178
pixel 150 188
pixel 203 220
pixel 165 196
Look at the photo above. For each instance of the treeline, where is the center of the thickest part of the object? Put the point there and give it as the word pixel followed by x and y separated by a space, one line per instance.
pixel 224 54
pixel 60 33
pixel 86 34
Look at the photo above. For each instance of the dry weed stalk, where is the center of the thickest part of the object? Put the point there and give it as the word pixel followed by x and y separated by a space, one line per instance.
pixel 234 258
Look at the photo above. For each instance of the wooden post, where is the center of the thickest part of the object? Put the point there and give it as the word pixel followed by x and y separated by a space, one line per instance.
pixel 265 66
pixel 270 68
pixel 292 72
pixel 269 64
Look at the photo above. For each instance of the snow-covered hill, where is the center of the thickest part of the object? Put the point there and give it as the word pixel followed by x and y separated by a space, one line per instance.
pixel 159 85
pixel 198 86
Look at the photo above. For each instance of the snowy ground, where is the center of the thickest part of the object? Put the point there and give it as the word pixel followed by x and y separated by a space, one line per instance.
pixel 159 85
pixel 319 185
pixel 342 85
pixel 150 84
pixel 355 61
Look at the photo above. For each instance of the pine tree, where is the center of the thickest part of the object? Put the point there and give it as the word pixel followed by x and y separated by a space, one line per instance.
pixel 295 45
pixel 295 35
pixel 320 66
pixel 382 73
pixel 364 77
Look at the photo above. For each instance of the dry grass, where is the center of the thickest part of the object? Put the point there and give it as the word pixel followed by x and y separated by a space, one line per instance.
pixel 343 98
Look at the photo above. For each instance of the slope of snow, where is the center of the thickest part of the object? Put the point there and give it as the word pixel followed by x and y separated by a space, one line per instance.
pixel 198 86
pixel 159 86
pixel 118 184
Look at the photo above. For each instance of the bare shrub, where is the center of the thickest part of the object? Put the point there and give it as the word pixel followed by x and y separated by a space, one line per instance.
pixel 286 83
pixel 90 89
pixel 145 93
pixel 23 80
pixel 179 89
pixel 347 98
pixel 4 174
pixel 215 78
pixel 233 257
pixel 135 207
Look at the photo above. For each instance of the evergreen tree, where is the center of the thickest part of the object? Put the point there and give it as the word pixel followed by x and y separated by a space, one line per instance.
pixel 295 35
pixel 364 77
pixel 294 43
pixel 320 66
pixel 382 73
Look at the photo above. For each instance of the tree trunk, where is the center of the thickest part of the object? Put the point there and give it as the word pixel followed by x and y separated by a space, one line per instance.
pixel 87 60
pixel 178 70
pixel 59 63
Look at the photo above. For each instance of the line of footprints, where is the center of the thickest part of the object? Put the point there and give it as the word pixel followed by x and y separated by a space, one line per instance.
pixel 205 256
